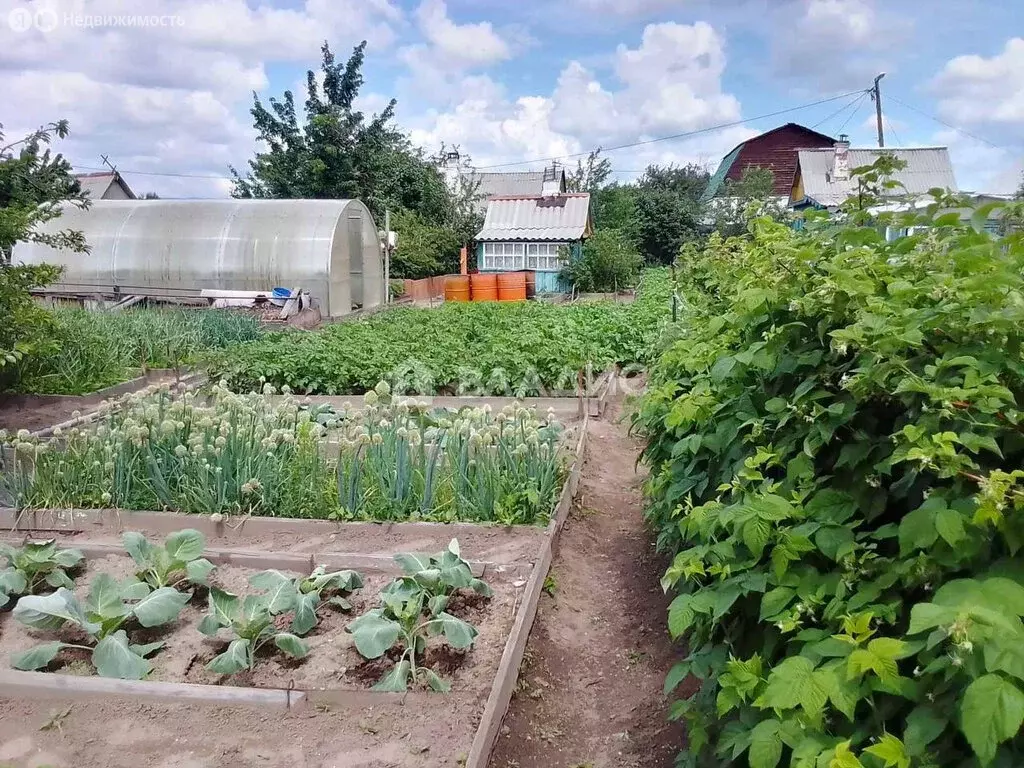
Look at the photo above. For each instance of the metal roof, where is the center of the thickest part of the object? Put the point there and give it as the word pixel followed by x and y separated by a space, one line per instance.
pixel 561 218
pixel 927 168
pixel 515 183
pixel 97 184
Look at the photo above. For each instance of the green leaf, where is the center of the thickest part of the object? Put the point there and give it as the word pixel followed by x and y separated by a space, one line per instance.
pixel 413 563
pixel 435 682
pixel 57 578
pixel 199 570
pixel 917 529
pixel 68 558
pixel 280 588
pixel 775 601
pixel 844 758
pixel 756 534
pixel 793 683
pixel 104 598
pixel 113 658
pixel 890 751
pixel 765 745
pixel 1005 654
pixel 924 616
pixel 924 726
pixel 831 506
pixel 776 405
pixel 396 680
pixel 950 525
pixel 138 547
pixel 290 645
pixel 12 582
pixel 481 587
pixel 458 633
pixel 237 657
pixel 147 649
pixel 373 634
pixel 223 606
pixel 991 712
pixel 160 606
pixel 835 541
pixel 51 611
pixel 36 657
pixel 679 672
pixel 184 545
pixel 305 613
pixel 134 590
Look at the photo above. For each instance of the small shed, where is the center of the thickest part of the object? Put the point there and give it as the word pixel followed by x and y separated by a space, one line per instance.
pixel 106 185
pixel 176 248
pixel 534 232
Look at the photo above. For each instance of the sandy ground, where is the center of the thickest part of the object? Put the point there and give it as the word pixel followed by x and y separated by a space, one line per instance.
pixel 590 691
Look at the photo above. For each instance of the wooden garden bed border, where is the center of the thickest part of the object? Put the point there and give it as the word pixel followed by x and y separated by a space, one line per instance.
pixel 37 684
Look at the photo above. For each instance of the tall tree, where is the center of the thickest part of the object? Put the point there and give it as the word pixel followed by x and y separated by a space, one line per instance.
pixel 590 174
pixel 334 151
pixel 668 210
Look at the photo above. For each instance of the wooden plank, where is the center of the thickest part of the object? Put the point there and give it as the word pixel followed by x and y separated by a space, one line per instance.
pixel 44 684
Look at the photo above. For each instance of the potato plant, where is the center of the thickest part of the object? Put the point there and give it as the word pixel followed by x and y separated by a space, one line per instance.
pixel 171 563
pixel 101 617
pixel 302 595
pixel 35 566
pixel 835 449
pixel 251 623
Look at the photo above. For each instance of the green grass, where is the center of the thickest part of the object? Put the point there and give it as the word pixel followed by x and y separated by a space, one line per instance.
pixel 93 350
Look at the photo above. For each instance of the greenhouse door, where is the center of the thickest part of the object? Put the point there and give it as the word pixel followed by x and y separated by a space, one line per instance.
pixel 355 258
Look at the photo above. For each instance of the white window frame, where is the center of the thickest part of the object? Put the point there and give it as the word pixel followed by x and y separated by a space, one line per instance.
pixel 512 256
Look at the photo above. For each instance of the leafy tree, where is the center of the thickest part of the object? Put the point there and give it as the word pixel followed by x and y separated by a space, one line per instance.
pixel 33 186
pixel 668 210
pixel 423 249
pixel 610 261
pixel 745 199
pixel 590 174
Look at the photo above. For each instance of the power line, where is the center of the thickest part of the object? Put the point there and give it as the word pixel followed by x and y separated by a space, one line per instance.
pixel 853 101
pixel 856 109
pixel 888 126
pixel 630 145
pixel 684 135
pixel 948 125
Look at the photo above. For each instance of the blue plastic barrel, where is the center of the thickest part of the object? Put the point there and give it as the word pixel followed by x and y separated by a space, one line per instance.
pixel 279 296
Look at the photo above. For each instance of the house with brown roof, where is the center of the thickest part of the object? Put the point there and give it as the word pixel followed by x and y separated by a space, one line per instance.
pixel 777 150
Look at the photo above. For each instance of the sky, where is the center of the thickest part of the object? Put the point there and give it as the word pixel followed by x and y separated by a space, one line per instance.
pixel 163 88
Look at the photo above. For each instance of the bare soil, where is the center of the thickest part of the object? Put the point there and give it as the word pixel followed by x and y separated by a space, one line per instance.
pixel 590 690
pixel 35 412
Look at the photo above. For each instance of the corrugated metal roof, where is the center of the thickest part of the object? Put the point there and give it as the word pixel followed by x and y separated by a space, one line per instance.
pixel 562 218
pixel 513 183
pixel 927 168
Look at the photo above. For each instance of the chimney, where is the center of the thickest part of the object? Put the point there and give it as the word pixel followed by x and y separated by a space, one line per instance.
pixel 451 168
pixel 841 159
pixel 551 186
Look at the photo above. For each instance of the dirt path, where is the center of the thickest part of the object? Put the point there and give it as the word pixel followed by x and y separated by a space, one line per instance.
pixel 590 688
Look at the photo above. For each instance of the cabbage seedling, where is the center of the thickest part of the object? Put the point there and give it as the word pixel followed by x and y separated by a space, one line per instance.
pixel 252 623
pixel 400 622
pixel 105 610
pixel 176 560
pixel 35 565
pixel 302 595
pixel 439 576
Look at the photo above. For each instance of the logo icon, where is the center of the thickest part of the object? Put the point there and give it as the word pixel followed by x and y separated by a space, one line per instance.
pixel 46 20
pixel 20 19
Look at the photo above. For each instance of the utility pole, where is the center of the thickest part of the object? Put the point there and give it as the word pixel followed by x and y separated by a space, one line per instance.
pixel 876 94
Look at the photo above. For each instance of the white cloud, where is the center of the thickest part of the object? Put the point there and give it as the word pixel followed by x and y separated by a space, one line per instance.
pixel 833 44
pixel 670 83
pixel 978 91
pixel 632 8
pixel 166 98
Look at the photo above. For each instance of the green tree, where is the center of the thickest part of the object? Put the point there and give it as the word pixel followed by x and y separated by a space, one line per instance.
pixel 34 184
pixel 423 249
pixel 668 210
pixel 745 199
pixel 590 174
pixel 610 262
pixel 334 151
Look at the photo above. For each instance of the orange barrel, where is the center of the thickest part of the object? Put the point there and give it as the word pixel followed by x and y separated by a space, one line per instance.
pixel 484 287
pixel 511 286
pixel 531 283
pixel 456 288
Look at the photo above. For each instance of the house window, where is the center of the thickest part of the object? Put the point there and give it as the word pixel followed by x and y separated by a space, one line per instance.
pixel 513 256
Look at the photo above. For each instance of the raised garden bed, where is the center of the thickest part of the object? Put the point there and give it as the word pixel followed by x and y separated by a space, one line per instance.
pixel 317 708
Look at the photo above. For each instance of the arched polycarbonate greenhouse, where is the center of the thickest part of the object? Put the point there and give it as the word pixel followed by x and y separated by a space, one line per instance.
pixel 327 247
